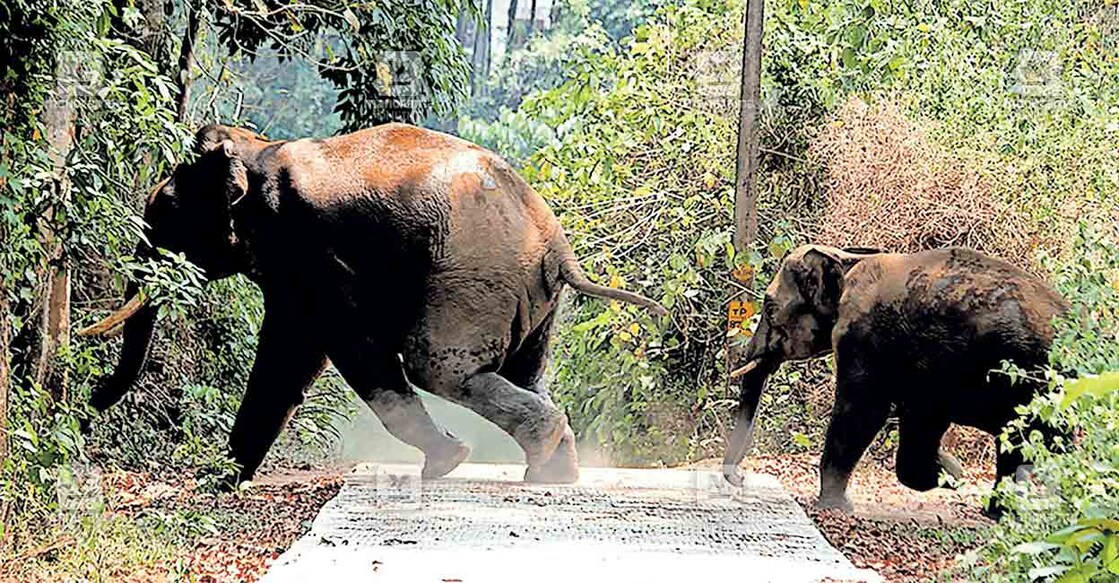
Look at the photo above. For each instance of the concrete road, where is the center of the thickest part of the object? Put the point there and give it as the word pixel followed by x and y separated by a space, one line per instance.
pixel 482 524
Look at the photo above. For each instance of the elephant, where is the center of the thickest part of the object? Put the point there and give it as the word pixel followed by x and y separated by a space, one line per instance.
pixel 917 334
pixel 401 255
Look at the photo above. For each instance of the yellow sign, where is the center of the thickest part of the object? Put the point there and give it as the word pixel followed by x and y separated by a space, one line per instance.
pixel 743 274
pixel 739 312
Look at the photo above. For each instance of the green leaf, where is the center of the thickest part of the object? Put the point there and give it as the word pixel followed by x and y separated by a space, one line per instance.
pixel 1097 386
pixel 1081 574
pixel 1110 554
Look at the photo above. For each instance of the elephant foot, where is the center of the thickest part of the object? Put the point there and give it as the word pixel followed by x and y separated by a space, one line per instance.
pixel 562 468
pixel 220 481
pixel 540 439
pixel 994 510
pixel 950 465
pixel 440 462
pixel 835 502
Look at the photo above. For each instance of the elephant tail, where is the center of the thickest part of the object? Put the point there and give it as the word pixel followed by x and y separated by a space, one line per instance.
pixel 573 274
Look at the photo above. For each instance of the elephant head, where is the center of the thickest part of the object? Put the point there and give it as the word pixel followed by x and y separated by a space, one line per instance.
pixel 188 213
pixel 798 313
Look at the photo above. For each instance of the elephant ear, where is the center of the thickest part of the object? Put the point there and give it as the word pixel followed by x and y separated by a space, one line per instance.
pixel 211 137
pixel 237 178
pixel 821 276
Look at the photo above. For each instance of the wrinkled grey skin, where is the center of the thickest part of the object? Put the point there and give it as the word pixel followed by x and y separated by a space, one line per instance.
pixel 400 254
pixel 915 335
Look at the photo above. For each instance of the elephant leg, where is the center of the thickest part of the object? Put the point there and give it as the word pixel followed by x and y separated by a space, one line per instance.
pixel 1007 465
pixel 287 362
pixel 455 351
pixel 533 421
pixel 380 382
pixel 526 367
pixel 918 455
pixel 858 414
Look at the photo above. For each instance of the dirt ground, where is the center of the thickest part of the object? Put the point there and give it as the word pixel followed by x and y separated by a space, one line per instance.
pixel 903 535
pixel 250 528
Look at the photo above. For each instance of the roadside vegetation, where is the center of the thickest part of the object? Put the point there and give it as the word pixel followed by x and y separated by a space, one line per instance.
pixel 903 126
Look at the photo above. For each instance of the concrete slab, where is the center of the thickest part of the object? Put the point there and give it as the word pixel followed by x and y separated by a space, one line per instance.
pixel 482 524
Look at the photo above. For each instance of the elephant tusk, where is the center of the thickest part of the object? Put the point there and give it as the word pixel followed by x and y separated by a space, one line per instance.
pixel 749 366
pixel 158 187
pixel 116 318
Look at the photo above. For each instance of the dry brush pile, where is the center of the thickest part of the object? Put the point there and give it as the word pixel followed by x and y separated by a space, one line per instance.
pixel 890 186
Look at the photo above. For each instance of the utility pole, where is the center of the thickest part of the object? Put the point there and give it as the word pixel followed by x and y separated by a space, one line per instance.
pixel 746 167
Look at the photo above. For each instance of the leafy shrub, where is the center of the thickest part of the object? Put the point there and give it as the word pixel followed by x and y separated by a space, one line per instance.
pixel 1064 523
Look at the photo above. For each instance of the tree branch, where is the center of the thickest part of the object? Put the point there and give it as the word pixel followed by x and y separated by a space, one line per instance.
pixel 186 57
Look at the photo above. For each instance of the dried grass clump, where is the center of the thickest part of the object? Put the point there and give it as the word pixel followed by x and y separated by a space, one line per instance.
pixel 890 186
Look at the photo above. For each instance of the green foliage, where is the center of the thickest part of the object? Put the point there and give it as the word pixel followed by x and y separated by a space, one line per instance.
pixel 83 204
pixel 617 17
pixel 283 100
pixel 1064 523
pixel 1030 82
pixel 637 169
pixel 431 68
pixel 74 76
pixel 542 65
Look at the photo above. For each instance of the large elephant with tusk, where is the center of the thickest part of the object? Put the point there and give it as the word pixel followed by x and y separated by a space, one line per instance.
pixel 403 255
pixel 915 334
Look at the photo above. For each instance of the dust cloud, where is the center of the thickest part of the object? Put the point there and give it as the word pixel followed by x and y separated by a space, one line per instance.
pixel 364 439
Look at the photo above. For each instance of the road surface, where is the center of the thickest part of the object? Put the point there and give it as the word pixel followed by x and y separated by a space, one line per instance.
pixel 482 524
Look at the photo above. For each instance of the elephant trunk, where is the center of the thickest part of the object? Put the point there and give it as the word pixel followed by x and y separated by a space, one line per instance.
pixel 138 331
pixel 760 364
pixel 138 316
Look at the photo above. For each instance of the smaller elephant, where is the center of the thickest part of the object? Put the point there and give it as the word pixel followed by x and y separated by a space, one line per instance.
pixel 915 334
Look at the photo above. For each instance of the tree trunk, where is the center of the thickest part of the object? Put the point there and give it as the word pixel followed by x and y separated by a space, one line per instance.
pixel 155 31
pixel 511 37
pixel 464 29
pixel 5 368
pixel 54 335
pixel 531 20
pixel 186 57
pixel 481 58
pixel 746 165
